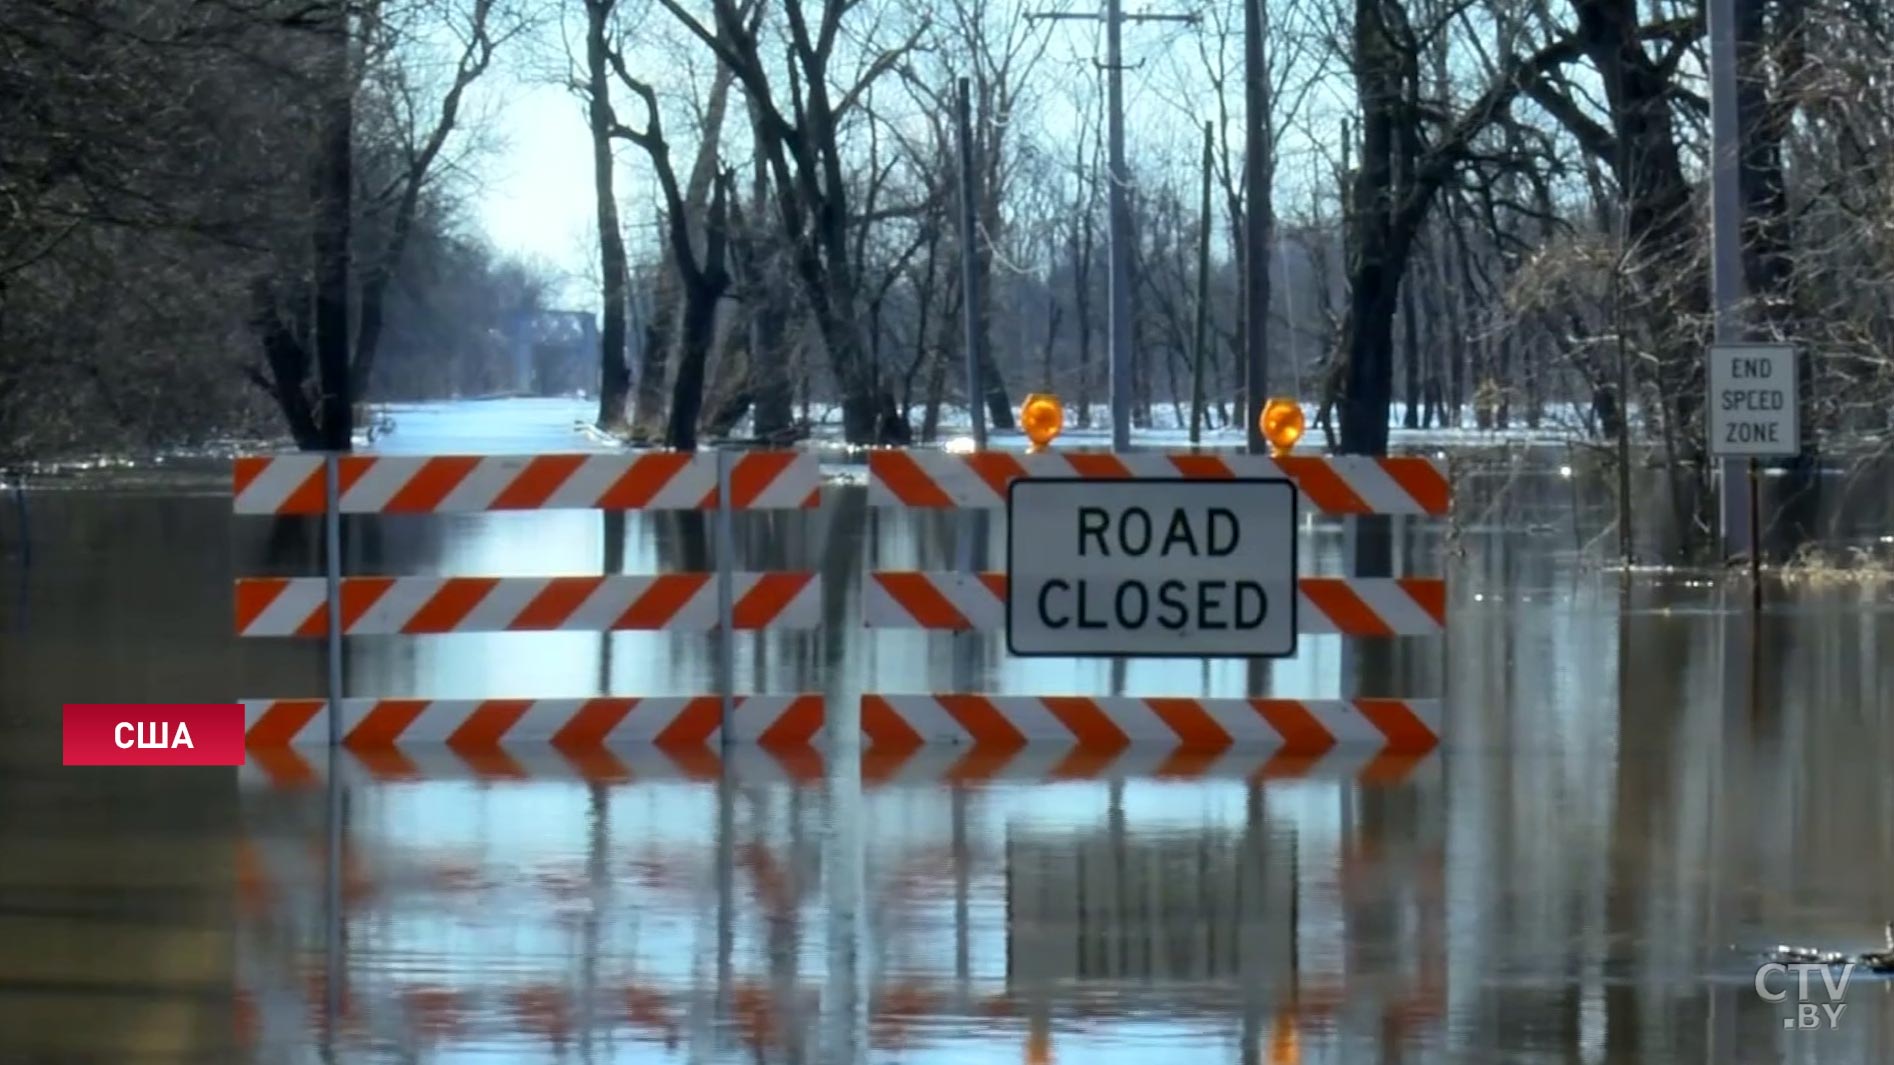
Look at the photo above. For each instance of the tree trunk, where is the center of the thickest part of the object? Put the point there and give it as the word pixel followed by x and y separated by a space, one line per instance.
pixel 654 356
pixel 1082 300
pixel 334 185
pixel 687 393
pixel 1411 354
pixel 614 375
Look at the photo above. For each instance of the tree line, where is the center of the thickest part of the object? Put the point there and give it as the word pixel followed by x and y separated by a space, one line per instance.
pixel 1481 213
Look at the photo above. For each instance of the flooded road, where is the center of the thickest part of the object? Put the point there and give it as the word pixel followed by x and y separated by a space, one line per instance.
pixel 1641 791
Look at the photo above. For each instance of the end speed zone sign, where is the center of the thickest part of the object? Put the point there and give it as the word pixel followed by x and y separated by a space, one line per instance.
pixel 1151 568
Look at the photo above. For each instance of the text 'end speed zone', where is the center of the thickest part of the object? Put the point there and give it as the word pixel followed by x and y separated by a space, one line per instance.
pixel 1151 568
pixel 1754 401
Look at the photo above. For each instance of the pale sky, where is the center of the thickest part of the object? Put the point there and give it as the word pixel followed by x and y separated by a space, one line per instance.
pixel 534 195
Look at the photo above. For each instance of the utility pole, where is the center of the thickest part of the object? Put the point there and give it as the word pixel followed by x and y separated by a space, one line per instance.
pixel 1258 171
pixel 1726 248
pixel 1118 220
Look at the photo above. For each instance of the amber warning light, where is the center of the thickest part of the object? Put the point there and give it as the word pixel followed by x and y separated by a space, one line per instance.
pixel 1282 424
pixel 1042 417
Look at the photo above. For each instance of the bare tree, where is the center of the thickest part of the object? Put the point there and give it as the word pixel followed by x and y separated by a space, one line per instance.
pixel 799 131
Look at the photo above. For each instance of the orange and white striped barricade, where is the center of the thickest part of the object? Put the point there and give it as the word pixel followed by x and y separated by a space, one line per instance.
pixel 1366 607
pixel 896 765
pixel 719 603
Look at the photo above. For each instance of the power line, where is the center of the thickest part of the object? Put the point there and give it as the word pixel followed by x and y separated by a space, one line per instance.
pixel 1118 221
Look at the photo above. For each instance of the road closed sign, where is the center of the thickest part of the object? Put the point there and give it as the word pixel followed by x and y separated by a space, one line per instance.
pixel 1151 568
pixel 1753 401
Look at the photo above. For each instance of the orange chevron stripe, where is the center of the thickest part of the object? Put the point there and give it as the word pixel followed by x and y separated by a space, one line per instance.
pixel 767 598
pixel 1351 614
pixel 1429 593
pixel 982 720
pixel 667 595
pixel 883 727
pixel 533 485
pixel 384 723
pixel 595 720
pixel 1423 480
pixel 1403 728
pixel 918 596
pixel 1301 733
pixel 254 595
pixel 1195 728
pixel 245 470
pixel 906 480
pixel 359 594
pixel 447 607
pixel 752 474
pixel 489 723
pixel 997 468
pixel 308 496
pixel 643 480
pixel 278 725
pixel 1096 464
pixel 1317 479
pixel 430 484
pixel 694 724
pixel 1090 725
pixel 556 602
pixel 1206 467
pixel 796 726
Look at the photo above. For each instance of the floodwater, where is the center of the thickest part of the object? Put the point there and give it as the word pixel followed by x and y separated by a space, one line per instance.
pixel 1642 790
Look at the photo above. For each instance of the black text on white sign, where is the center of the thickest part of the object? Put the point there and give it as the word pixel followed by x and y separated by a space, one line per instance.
pixel 1175 567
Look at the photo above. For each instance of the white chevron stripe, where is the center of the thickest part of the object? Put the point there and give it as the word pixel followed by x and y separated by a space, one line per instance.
pixel 690 486
pixel 504 601
pixel 497 609
pixel 483 484
pixel 280 477
pixel 792 485
pixel 1246 726
pixel 386 475
pixel 927 717
pixel 398 605
pixel 301 597
pixel 543 718
pixel 586 484
pixel 955 477
pixel 379 483
pixel 607 603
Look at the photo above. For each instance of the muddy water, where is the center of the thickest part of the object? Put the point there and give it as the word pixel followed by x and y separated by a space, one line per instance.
pixel 1641 790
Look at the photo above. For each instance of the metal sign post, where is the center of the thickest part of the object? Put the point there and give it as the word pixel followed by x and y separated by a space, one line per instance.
pixel 726 597
pixel 332 565
pixel 332 895
pixel 1754 413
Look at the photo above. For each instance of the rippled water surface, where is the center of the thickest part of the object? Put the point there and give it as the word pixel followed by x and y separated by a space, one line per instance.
pixel 1641 790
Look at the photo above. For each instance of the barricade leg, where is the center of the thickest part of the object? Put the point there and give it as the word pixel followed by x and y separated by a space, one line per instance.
pixel 726 597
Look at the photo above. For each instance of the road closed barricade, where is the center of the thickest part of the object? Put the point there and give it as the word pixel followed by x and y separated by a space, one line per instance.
pixel 1187 555
pixel 335 605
